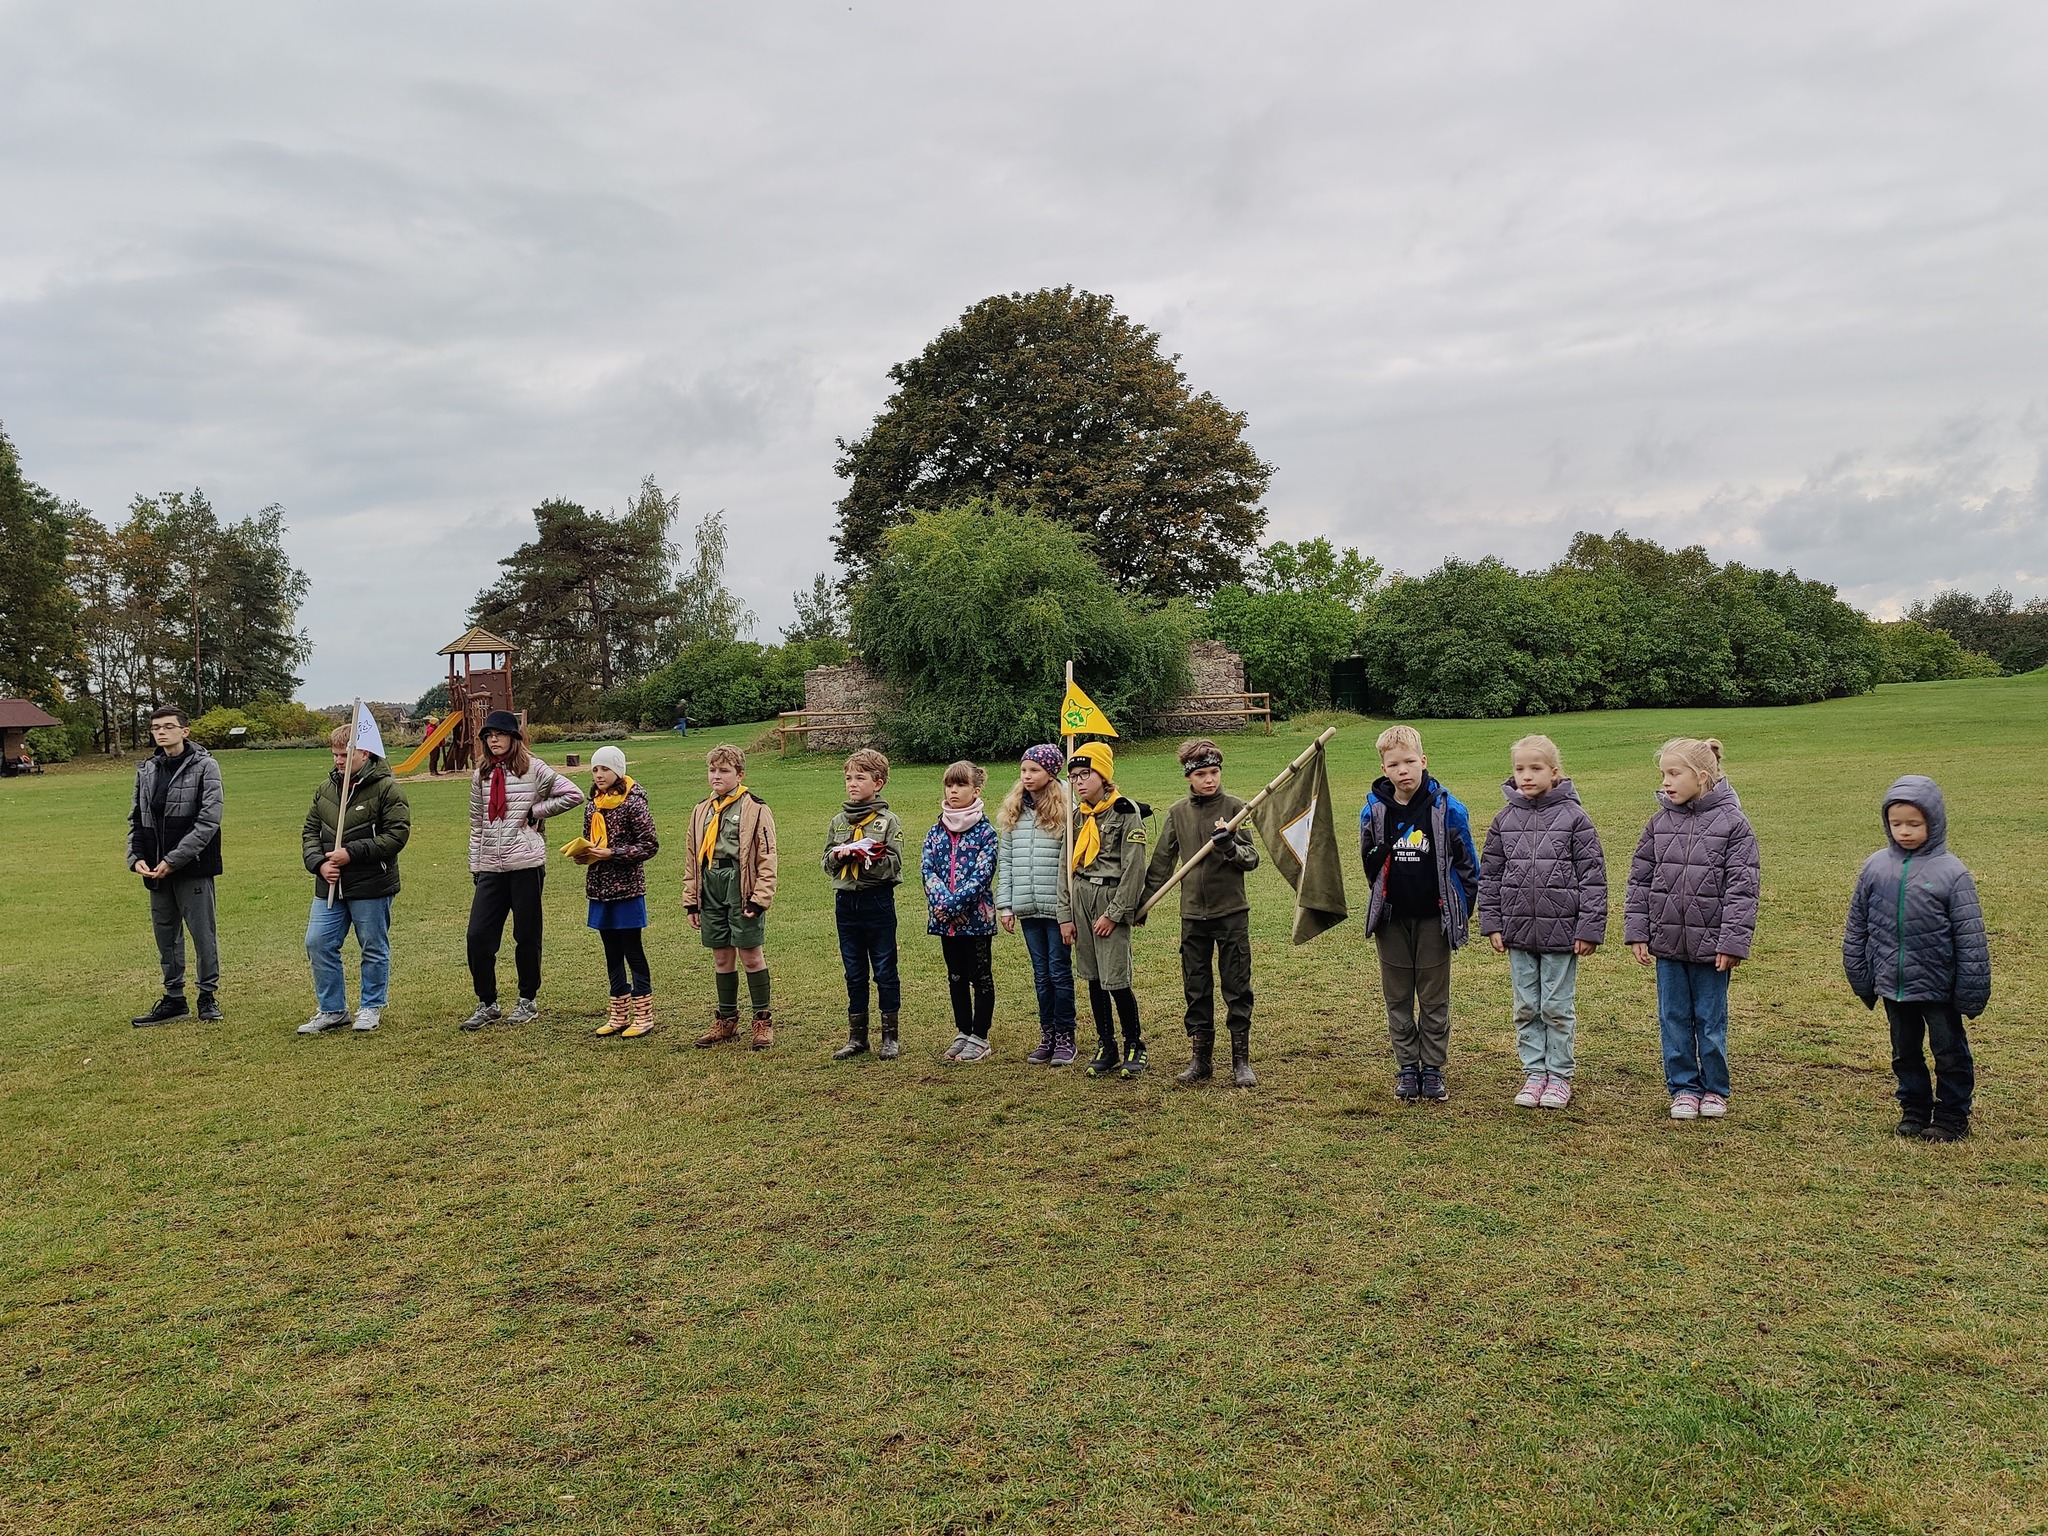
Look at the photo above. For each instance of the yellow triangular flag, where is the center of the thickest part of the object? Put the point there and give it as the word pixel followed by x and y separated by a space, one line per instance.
pixel 1080 717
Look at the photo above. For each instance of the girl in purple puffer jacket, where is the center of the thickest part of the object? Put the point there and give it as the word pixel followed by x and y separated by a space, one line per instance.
pixel 1691 910
pixel 1543 904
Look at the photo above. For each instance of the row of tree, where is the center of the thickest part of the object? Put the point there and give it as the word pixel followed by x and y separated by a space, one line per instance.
pixel 103 622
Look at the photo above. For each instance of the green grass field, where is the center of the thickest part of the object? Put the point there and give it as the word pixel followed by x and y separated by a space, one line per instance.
pixel 531 1280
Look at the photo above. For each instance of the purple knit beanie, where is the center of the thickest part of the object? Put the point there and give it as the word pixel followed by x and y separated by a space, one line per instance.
pixel 1048 758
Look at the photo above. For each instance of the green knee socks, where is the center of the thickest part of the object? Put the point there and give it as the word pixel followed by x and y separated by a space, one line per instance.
pixel 728 994
pixel 757 989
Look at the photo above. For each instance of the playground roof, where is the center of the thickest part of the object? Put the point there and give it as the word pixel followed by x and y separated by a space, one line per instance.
pixel 476 641
pixel 20 715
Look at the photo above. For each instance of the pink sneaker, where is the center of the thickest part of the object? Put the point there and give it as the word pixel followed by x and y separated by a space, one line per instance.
pixel 1557 1093
pixel 1712 1106
pixel 1532 1091
pixel 1685 1106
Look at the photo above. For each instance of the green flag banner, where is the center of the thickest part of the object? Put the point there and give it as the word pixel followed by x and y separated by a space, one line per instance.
pixel 1297 827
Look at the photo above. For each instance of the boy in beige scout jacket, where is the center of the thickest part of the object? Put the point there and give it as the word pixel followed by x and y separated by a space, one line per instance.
pixel 728 885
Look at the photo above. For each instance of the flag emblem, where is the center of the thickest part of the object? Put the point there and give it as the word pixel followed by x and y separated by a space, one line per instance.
pixel 1079 715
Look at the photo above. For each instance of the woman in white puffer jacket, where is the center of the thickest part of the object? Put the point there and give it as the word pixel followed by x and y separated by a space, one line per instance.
pixel 510 794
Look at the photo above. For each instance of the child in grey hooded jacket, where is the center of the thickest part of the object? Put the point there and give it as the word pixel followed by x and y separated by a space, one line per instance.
pixel 1915 937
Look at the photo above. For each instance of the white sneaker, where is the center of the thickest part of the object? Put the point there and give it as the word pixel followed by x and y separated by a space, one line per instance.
pixel 323 1021
pixel 1532 1091
pixel 368 1019
pixel 1557 1093
pixel 1685 1106
pixel 1712 1106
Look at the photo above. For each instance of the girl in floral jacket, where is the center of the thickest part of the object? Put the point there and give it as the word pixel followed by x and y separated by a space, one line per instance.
pixel 959 867
pixel 619 839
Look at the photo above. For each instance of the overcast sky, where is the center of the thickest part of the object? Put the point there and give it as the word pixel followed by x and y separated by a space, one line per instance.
pixel 1769 277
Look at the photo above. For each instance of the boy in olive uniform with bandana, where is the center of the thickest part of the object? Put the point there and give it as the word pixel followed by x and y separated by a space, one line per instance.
pixel 728 883
pixel 864 857
pixel 1215 917
pixel 1101 899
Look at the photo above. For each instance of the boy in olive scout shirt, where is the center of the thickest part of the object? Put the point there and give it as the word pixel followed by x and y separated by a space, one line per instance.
pixel 728 882
pixel 1215 918
pixel 1101 899
pixel 864 857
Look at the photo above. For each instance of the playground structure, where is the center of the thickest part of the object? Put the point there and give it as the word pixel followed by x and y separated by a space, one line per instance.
pixel 473 692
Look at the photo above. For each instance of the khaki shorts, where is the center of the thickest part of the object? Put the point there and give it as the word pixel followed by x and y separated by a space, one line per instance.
pixel 1105 961
pixel 722 923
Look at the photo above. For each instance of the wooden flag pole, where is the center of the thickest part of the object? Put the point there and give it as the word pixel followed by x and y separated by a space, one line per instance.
pixel 348 768
pixel 1238 820
pixel 1067 821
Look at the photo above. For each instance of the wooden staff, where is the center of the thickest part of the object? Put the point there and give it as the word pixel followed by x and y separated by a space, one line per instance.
pixel 1237 821
pixel 348 769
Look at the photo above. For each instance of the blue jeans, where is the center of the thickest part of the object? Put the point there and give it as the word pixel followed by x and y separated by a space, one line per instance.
pixel 867 941
pixel 1692 1017
pixel 1052 973
pixel 325 930
pixel 1546 1010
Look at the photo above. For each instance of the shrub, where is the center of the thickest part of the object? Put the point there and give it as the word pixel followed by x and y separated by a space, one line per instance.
pixel 211 729
pixel 724 682
pixel 282 718
pixel 541 735
pixel 971 615
pixel 1916 653
pixel 1289 641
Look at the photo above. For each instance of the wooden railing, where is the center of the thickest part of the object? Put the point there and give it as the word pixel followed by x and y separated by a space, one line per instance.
pixel 801 722
pixel 1242 707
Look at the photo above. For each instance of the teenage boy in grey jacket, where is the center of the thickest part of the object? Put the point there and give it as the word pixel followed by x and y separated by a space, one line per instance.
pixel 174 844
pixel 1915 937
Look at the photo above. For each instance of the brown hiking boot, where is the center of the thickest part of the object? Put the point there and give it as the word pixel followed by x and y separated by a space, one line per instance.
pixel 724 1027
pixel 764 1029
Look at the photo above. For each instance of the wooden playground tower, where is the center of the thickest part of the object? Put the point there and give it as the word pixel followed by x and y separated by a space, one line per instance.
pixel 473 692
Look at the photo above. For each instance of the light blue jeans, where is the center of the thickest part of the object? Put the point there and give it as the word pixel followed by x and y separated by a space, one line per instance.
pixel 325 930
pixel 1546 1010
pixel 1692 1016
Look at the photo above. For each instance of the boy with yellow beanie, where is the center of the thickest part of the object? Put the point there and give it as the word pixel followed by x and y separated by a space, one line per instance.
pixel 1104 894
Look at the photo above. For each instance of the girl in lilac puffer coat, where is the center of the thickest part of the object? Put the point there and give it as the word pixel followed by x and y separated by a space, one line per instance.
pixel 1691 911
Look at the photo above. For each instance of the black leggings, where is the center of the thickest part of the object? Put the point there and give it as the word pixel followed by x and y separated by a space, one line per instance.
pixel 971 979
pixel 1100 999
pixel 623 953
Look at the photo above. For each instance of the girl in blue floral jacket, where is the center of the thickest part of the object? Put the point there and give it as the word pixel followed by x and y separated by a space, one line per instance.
pixel 959 867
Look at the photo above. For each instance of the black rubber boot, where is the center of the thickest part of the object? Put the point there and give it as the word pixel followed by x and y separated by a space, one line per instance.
pixel 209 1008
pixel 1202 1066
pixel 1241 1072
pixel 167 1008
pixel 890 1049
pixel 856 1038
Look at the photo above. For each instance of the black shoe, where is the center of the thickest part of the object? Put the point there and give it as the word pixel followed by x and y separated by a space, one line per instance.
pixel 1432 1085
pixel 1911 1124
pixel 1105 1061
pixel 209 1008
pixel 1241 1074
pixel 1408 1085
pixel 856 1038
pixel 1135 1061
pixel 1946 1130
pixel 167 1008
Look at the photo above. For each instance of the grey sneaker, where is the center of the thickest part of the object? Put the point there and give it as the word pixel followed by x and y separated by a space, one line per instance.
pixel 322 1022
pixel 525 1011
pixel 959 1044
pixel 974 1049
pixel 368 1019
pixel 486 1013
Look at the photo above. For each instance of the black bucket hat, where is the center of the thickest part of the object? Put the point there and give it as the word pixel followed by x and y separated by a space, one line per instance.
pixel 502 720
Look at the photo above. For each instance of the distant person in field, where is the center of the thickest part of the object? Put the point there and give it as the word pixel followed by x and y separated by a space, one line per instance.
pixel 511 793
pixel 619 830
pixel 1030 838
pixel 1691 911
pixel 364 867
pixel 728 885
pixel 959 869
pixel 174 845
pixel 1915 938
pixel 1215 916
pixel 864 857
pixel 1543 904
pixel 1106 891
pixel 1415 839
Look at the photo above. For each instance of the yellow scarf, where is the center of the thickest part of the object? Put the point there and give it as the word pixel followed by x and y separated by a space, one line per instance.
pixel 718 808
pixel 602 801
pixel 1088 839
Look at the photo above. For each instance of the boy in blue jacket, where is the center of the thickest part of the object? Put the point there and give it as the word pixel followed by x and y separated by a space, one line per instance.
pixel 1915 937
pixel 1416 842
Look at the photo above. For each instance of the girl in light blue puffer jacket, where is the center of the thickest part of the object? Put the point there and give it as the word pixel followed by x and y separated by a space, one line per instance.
pixel 1030 833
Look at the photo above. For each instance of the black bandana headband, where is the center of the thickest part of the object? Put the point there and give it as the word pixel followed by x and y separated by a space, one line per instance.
pixel 1195 764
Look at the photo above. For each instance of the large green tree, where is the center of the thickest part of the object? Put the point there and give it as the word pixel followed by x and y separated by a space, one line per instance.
pixel 1054 402
pixel 38 637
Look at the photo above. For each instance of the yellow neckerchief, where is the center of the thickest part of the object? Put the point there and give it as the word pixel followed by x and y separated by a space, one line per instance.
pixel 1088 839
pixel 606 800
pixel 718 808
pixel 856 827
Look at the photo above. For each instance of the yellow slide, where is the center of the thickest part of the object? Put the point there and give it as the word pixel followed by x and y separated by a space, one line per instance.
pixel 435 737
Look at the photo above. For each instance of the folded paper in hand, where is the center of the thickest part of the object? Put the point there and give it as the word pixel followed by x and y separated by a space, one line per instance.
pixel 578 848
